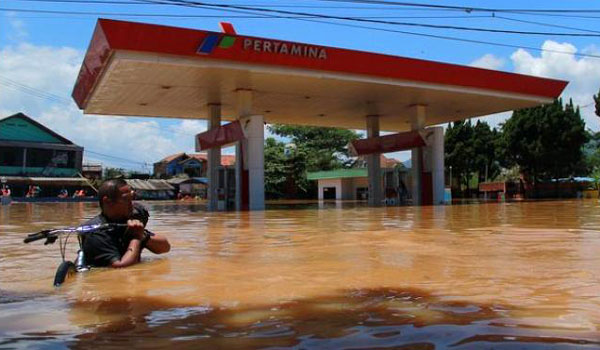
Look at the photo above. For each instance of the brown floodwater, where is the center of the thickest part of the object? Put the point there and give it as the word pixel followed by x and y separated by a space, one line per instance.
pixel 298 276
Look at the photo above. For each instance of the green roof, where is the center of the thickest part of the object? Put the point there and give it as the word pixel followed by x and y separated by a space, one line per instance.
pixel 19 127
pixel 337 174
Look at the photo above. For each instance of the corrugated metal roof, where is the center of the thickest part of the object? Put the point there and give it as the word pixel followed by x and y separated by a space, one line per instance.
pixel 64 181
pixel 150 185
pixel 337 174
pixel 192 180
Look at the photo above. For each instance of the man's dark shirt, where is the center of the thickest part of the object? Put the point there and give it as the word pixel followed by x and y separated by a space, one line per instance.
pixel 106 246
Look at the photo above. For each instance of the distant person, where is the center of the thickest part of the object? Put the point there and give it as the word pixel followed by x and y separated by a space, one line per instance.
pixel 120 246
pixel 63 193
pixel 36 191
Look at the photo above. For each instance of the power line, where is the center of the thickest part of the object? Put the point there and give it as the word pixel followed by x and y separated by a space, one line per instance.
pixel 277 5
pixel 18 132
pixel 473 41
pixel 189 3
pixel 361 19
pixel 468 9
pixel 115 157
pixel 211 16
pixel 32 91
pixel 370 4
pixel 443 37
pixel 55 98
pixel 545 24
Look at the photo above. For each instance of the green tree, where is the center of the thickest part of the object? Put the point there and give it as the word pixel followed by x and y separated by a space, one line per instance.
pixel 459 152
pixel 275 168
pixel 472 151
pixel 310 149
pixel 325 147
pixel 597 103
pixel 485 146
pixel 546 141
pixel 112 173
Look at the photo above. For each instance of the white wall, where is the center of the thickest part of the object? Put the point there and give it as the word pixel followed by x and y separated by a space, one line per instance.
pixel 337 183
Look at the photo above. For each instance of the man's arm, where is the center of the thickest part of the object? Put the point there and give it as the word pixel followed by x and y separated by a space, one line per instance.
pixel 131 256
pixel 157 244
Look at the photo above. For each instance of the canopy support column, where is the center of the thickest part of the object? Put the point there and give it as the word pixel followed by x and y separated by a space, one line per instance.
pixel 256 162
pixel 244 110
pixel 417 123
pixel 436 149
pixel 214 158
pixel 374 164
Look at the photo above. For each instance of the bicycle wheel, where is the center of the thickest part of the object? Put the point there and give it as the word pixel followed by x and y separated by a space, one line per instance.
pixel 65 271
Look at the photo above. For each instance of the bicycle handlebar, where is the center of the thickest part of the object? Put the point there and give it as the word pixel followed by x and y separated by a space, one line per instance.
pixel 52 235
pixel 36 236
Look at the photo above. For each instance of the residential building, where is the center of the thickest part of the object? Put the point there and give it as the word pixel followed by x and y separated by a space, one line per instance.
pixel 352 183
pixel 193 165
pixel 28 148
pixel 92 171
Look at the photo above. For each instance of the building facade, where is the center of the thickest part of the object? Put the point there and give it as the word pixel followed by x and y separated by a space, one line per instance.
pixel 28 148
pixel 353 184
pixel 193 165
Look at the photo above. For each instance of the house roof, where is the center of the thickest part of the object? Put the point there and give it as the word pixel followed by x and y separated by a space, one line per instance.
pixel 150 185
pixel 386 163
pixel 337 174
pixel 189 180
pixel 38 125
pixel 226 159
pixel 172 157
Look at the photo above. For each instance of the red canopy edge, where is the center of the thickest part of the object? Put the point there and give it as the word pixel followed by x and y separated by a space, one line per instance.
pixel 388 143
pixel 219 137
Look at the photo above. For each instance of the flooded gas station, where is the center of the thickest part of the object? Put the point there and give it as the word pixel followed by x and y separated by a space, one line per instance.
pixel 334 275
pixel 312 274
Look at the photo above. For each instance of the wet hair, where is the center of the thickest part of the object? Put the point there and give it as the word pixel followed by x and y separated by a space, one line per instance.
pixel 110 188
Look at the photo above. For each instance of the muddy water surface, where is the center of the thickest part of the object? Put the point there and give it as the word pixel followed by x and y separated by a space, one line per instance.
pixel 502 276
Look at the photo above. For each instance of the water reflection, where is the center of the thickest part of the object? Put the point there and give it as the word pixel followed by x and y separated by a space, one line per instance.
pixel 510 275
pixel 357 319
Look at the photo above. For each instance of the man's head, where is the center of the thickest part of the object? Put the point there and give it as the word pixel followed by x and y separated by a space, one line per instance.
pixel 116 198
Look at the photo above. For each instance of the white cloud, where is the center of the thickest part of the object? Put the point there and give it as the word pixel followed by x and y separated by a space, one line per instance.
pixel 28 72
pixel 488 61
pixel 17 30
pixel 583 73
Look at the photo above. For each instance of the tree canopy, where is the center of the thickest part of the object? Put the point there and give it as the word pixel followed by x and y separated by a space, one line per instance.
pixel 546 141
pixel 597 103
pixel 310 149
pixel 472 151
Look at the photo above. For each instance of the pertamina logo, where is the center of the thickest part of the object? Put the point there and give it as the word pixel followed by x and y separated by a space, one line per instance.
pixel 261 45
pixel 213 40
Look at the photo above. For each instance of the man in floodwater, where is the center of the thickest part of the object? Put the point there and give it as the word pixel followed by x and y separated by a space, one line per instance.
pixel 120 246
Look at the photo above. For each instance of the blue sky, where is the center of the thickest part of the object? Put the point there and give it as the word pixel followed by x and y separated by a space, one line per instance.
pixel 40 55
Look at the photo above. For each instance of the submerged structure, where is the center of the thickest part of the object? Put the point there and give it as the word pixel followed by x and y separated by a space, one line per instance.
pixel 158 71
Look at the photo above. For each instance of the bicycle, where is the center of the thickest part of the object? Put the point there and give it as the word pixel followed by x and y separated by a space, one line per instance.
pixel 67 268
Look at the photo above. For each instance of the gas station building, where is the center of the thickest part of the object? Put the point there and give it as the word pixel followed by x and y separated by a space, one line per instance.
pixel 136 69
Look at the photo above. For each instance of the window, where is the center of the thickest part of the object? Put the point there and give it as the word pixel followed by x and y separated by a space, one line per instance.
pixel 39 158
pixel 11 156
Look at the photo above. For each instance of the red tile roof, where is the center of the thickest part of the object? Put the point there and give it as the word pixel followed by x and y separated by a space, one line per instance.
pixel 226 159
pixel 170 158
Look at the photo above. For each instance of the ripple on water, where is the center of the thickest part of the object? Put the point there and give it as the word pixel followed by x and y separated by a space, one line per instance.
pixel 509 276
